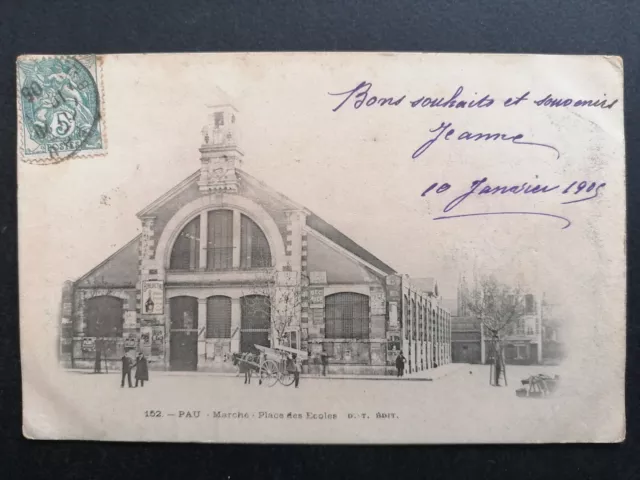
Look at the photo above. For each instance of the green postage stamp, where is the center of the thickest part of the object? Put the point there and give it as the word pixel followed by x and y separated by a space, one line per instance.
pixel 60 108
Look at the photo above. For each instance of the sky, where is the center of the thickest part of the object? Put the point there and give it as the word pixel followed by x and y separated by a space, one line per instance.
pixel 353 167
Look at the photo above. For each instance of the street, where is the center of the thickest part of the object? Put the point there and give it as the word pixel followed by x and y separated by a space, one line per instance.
pixel 459 407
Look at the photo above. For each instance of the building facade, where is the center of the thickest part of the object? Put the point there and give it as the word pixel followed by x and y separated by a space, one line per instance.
pixel 522 341
pixel 223 262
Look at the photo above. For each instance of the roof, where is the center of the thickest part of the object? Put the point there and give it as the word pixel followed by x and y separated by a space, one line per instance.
pixel 119 269
pixel 345 242
pixel 426 284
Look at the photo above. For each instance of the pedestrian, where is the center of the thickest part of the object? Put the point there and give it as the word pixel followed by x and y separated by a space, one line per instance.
pixel 142 370
pixel 400 361
pixel 96 365
pixel 126 370
pixel 297 368
pixel 324 358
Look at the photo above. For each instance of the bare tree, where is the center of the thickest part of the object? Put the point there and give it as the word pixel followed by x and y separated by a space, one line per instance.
pixel 499 307
pixel 278 295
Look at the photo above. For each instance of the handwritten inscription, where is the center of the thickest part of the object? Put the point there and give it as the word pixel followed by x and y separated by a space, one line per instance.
pixel 363 96
pixel 516 139
pixel 575 192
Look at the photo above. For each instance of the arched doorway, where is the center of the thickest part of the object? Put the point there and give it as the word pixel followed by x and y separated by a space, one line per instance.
pixel 255 322
pixel 184 333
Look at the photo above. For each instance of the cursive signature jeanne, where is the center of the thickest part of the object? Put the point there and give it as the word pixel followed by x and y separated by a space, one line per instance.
pixel 447 132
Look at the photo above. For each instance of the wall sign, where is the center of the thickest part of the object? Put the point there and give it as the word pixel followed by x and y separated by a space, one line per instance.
pixel 129 319
pixel 318 277
pixel 130 341
pixel 316 298
pixel 394 285
pixel 393 314
pixel 153 297
pixel 145 336
pixel 157 340
pixel 88 344
pixel 378 302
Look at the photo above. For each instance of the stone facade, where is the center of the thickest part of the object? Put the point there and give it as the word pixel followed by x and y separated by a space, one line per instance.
pixel 219 249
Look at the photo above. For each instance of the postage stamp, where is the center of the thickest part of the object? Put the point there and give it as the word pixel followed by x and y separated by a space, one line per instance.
pixel 60 108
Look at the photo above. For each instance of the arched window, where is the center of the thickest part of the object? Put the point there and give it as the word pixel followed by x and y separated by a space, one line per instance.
pixel 220 240
pixel 185 254
pixel 104 316
pixel 254 248
pixel 347 316
pixel 218 317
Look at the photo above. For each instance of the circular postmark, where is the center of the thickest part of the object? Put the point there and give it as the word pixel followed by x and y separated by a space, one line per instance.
pixel 60 108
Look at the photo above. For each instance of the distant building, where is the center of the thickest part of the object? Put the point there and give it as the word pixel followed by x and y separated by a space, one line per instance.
pixel 195 286
pixel 522 341
pixel 553 346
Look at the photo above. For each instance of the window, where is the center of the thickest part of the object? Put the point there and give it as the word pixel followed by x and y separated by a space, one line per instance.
pixel 420 330
pixel 218 317
pixel 254 248
pixel 186 249
pixel 220 240
pixel 347 316
pixel 291 339
pixel 529 304
pixel 256 313
pixel 407 317
pixel 104 316
pixel 218 119
pixel 413 319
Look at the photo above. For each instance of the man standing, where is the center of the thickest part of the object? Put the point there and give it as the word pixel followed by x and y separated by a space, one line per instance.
pixel 297 368
pixel 324 358
pixel 400 360
pixel 126 370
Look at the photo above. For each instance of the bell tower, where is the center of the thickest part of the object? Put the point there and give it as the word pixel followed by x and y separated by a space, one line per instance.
pixel 220 151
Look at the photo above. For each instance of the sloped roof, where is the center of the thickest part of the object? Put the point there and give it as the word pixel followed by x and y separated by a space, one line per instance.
pixel 119 269
pixel 345 242
pixel 313 220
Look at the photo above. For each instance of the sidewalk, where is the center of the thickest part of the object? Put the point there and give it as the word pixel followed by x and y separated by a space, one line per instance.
pixel 424 376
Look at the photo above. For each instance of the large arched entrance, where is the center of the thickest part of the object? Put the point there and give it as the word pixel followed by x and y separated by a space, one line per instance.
pixel 255 322
pixel 184 333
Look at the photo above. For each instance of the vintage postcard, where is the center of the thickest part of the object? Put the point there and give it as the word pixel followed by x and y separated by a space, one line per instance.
pixel 353 248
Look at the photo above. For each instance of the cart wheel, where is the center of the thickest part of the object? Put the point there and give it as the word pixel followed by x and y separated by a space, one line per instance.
pixel 269 373
pixel 286 378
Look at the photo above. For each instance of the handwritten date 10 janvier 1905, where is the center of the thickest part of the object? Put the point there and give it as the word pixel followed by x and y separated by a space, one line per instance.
pixel 482 187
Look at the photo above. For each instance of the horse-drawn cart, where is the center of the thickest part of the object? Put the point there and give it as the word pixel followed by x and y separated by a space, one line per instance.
pixel 272 365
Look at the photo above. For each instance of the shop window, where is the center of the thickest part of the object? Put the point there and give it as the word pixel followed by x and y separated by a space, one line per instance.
pixel 220 240
pixel 218 317
pixel 347 316
pixel 254 248
pixel 104 316
pixel 185 254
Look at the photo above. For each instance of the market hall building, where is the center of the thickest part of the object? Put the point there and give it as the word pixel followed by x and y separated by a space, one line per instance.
pixel 223 262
